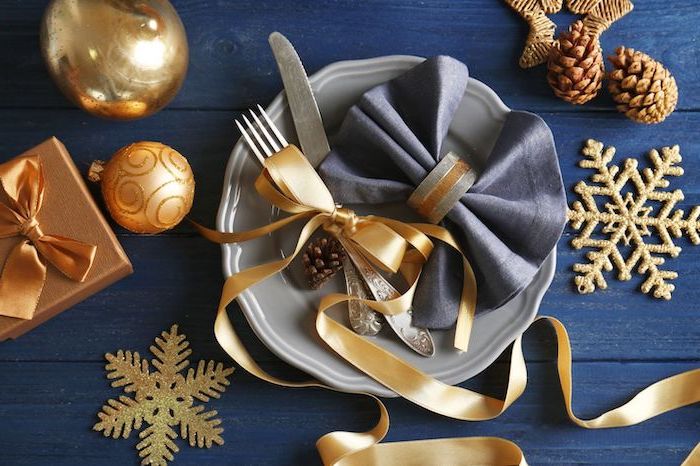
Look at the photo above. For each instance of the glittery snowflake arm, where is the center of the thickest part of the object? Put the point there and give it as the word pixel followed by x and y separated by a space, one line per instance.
pixel 129 371
pixel 157 446
pixel 171 352
pixel 691 226
pixel 209 380
pixel 120 417
pixel 586 212
pixel 200 428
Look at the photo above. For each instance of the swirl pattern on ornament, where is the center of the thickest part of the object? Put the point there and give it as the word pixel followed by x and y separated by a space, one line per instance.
pixel 129 197
pixel 139 160
pixel 152 186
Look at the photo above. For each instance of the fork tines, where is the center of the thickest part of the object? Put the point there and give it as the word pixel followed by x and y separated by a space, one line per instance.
pixel 261 142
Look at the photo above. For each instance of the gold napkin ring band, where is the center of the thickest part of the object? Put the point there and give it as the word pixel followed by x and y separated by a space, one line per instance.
pixel 442 188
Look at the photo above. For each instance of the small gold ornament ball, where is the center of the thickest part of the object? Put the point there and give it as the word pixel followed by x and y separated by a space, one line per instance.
pixel 120 59
pixel 148 187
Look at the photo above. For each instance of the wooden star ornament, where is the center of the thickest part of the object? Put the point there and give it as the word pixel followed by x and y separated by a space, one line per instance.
pixel 598 16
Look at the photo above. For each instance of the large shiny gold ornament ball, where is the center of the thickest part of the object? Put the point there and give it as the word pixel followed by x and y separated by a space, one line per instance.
pixel 119 59
pixel 148 187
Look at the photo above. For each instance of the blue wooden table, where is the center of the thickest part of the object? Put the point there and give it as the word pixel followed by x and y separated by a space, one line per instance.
pixel 53 380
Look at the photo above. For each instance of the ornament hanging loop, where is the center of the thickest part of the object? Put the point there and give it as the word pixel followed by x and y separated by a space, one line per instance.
pixel 95 171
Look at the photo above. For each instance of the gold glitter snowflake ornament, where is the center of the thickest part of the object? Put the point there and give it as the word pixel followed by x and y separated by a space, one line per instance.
pixel 163 399
pixel 628 219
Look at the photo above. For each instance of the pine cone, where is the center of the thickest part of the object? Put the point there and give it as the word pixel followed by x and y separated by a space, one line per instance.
pixel 322 259
pixel 643 88
pixel 575 65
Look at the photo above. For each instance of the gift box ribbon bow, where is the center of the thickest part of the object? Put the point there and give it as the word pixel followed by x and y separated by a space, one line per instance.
pixel 290 183
pixel 24 273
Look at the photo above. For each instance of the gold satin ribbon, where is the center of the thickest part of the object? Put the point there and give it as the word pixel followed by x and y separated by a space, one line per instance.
pixel 24 273
pixel 290 183
pixel 365 449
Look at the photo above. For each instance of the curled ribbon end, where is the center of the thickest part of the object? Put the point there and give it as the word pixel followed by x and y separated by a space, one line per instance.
pixel 461 341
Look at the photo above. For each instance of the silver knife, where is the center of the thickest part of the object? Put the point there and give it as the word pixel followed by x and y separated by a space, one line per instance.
pixel 418 339
pixel 307 118
pixel 314 144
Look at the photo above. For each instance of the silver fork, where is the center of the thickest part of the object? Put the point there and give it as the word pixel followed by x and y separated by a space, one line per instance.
pixel 363 319
pixel 265 142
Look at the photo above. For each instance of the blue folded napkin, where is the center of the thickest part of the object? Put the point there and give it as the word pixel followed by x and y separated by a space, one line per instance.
pixel 508 221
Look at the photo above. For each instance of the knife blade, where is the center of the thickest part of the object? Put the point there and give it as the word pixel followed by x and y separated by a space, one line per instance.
pixel 305 112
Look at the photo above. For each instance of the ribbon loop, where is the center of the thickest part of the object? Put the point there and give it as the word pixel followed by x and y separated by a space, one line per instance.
pixel 24 273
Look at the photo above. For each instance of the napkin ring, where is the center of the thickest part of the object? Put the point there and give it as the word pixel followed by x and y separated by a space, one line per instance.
pixel 442 188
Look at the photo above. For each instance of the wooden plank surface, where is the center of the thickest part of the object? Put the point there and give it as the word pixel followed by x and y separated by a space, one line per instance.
pixel 232 67
pixel 53 380
pixel 619 323
pixel 46 419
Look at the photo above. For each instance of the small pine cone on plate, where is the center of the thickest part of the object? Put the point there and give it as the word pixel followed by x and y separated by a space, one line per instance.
pixel 642 87
pixel 322 259
pixel 575 69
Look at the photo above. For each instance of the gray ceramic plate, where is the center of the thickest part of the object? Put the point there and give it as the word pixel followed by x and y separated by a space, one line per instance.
pixel 282 312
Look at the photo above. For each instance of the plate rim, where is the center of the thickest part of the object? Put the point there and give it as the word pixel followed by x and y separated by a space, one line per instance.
pixel 231 253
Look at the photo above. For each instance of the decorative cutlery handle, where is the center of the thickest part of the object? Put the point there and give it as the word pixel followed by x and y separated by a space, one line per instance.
pixel 379 286
pixel 418 339
pixel 363 319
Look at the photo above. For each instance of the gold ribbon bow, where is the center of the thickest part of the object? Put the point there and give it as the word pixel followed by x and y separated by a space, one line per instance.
pixel 24 273
pixel 290 183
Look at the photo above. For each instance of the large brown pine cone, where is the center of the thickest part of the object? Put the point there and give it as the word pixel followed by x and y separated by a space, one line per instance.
pixel 643 88
pixel 575 69
pixel 322 259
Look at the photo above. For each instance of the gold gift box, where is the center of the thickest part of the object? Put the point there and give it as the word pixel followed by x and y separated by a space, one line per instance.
pixel 68 210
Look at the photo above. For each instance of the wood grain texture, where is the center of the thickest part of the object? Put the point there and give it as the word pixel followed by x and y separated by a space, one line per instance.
pixel 232 67
pixel 53 381
pixel 180 271
pixel 48 417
